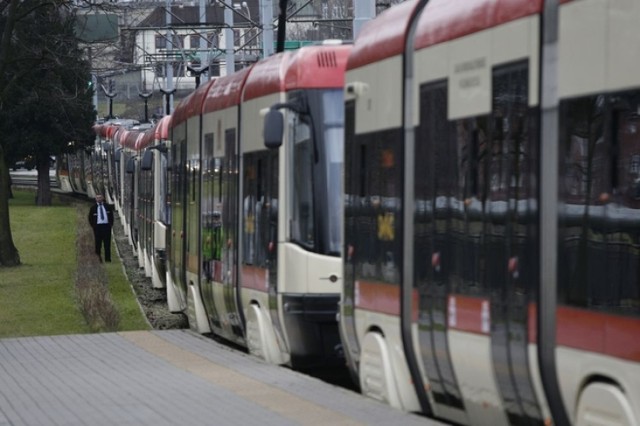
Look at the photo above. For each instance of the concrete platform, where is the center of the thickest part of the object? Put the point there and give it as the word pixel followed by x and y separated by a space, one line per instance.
pixel 172 377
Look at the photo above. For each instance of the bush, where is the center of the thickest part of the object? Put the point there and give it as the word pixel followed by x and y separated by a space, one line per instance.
pixel 92 290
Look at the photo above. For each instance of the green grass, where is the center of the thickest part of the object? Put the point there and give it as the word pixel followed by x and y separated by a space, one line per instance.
pixel 38 297
pixel 131 318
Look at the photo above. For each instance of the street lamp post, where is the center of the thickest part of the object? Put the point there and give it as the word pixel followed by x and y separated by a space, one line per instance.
pixel 110 95
pixel 167 94
pixel 146 97
pixel 197 72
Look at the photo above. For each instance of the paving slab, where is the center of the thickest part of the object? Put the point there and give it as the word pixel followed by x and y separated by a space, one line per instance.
pixel 167 377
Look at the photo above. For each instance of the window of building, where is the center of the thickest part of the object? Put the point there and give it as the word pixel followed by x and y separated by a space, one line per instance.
pixel 161 42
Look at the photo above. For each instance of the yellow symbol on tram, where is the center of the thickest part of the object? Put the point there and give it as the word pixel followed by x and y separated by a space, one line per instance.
pixel 386 231
pixel 249 224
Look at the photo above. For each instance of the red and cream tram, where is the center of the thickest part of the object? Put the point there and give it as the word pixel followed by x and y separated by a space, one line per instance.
pixel 492 237
pixel 254 252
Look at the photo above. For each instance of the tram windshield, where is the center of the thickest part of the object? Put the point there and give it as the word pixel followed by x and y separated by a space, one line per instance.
pixel 333 132
pixel 317 158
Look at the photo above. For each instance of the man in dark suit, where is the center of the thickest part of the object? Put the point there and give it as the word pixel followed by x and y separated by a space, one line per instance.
pixel 101 220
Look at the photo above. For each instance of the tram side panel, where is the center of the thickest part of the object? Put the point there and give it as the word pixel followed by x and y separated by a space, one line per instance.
pixel 310 199
pixel 175 261
pixel 476 229
pixel 370 309
pixel 219 218
pixel 598 316
pixel 161 203
pixel 63 173
pixel 290 235
pixel 219 213
pixel 262 214
pixel 476 226
pixel 145 191
pixel 193 232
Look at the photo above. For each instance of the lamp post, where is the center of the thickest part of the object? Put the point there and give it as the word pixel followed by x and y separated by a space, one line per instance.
pixel 167 94
pixel 146 97
pixel 197 72
pixel 110 95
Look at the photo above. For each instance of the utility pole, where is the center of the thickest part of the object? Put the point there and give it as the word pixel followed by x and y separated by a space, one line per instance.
pixel 168 68
pixel 364 11
pixel 282 25
pixel 202 43
pixel 228 38
pixel 94 85
pixel 266 18
pixel 94 79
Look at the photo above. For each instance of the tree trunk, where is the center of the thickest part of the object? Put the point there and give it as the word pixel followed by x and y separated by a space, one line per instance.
pixel 9 255
pixel 43 196
pixel 10 187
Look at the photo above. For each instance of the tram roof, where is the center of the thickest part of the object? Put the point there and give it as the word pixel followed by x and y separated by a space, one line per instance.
pixel 226 91
pixel 146 139
pixel 444 20
pixel 110 130
pixel 316 66
pixel 440 21
pixel 129 138
pixel 266 77
pixel 384 36
pixel 191 106
pixel 115 132
pixel 162 128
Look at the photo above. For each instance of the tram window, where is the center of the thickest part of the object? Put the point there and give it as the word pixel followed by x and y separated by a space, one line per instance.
pixel 448 185
pixel 250 189
pixel 302 220
pixel 165 179
pixel 513 158
pixel 194 179
pixel 259 204
pixel 162 194
pixel 599 221
pixel 210 219
pixel 382 213
pixel 229 188
pixel 217 186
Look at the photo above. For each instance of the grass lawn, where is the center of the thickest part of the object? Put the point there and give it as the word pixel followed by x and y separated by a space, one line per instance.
pixel 131 317
pixel 38 297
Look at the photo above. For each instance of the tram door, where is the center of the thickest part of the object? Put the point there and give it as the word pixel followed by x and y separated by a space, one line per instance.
pixel 437 235
pixel 178 180
pixel 230 224
pixel 511 238
pixel 212 235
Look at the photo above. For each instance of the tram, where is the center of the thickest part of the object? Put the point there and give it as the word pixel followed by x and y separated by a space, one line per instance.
pixel 491 231
pixel 254 248
pixel 153 216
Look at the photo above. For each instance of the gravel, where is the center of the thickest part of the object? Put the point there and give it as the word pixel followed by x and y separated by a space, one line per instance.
pixel 154 304
pixel 153 301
